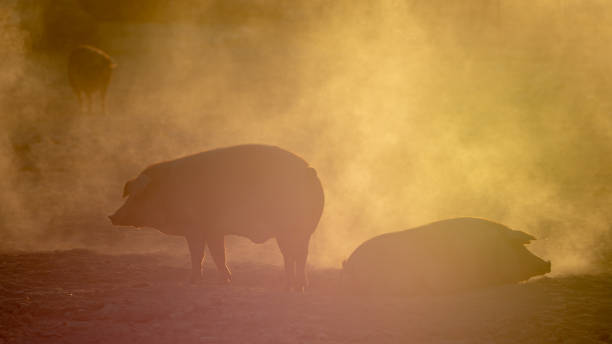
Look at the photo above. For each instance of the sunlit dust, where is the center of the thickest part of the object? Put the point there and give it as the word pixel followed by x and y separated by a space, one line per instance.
pixel 409 117
pixel 410 112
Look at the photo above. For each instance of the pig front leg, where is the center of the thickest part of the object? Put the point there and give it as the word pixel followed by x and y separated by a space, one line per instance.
pixel 196 243
pixel 216 244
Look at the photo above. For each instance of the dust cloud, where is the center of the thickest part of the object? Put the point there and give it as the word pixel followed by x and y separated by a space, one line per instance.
pixel 411 111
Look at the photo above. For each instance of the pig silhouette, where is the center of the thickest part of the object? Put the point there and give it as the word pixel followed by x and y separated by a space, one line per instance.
pixel 89 71
pixel 444 256
pixel 255 191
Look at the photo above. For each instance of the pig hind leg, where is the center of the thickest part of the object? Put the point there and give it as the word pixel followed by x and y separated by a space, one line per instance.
pixel 103 100
pixel 76 90
pixel 301 254
pixel 103 88
pixel 216 245
pixel 196 243
pixel 79 95
pixel 295 253
pixel 88 101
pixel 80 98
pixel 289 260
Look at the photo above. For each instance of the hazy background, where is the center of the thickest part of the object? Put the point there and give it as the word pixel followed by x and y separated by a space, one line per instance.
pixel 411 111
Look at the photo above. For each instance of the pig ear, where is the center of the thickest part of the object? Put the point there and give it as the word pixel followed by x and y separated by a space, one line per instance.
pixel 126 189
pixel 136 186
pixel 520 237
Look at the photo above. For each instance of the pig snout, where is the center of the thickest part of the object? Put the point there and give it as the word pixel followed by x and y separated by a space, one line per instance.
pixel 113 219
pixel 118 218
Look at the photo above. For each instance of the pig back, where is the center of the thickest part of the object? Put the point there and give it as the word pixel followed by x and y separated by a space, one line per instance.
pixel 255 191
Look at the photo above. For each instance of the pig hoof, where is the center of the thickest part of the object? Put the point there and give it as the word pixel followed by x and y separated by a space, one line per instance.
pixel 195 279
pixel 290 288
pixel 225 280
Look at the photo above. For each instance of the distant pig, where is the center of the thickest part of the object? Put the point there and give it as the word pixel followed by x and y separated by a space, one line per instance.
pixel 256 191
pixel 444 256
pixel 89 71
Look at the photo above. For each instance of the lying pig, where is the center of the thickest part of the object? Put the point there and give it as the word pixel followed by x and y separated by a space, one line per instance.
pixel 256 191
pixel 89 71
pixel 444 256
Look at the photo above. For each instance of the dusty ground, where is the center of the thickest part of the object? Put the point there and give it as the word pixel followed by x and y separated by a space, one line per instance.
pixel 79 296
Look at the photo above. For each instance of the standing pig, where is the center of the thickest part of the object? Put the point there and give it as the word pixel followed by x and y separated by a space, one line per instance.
pixel 444 256
pixel 256 191
pixel 89 71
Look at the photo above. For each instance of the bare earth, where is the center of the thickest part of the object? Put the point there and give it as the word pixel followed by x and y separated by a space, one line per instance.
pixel 80 296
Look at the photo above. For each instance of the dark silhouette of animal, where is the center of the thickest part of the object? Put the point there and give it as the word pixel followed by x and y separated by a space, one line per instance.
pixel 89 71
pixel 444 256
pixel 256 191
